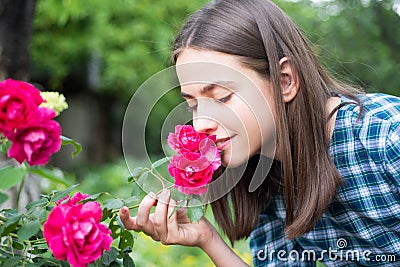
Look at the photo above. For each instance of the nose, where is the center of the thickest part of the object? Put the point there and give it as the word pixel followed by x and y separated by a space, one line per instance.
pixel 203 121
pixel 203 124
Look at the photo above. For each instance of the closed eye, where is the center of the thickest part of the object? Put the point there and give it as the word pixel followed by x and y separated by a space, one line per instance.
pixel 219 100
pixel 225 99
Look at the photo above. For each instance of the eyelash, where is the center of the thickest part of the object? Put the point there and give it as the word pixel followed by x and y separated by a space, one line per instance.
pixel 224 99
pixel 221 100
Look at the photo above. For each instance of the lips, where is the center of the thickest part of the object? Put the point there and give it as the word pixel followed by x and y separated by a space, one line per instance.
pixel 221 143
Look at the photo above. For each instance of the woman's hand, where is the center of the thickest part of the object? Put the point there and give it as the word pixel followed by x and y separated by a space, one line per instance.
pixel 175 229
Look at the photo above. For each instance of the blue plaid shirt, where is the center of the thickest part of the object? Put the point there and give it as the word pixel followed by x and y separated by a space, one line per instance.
pixel 361 227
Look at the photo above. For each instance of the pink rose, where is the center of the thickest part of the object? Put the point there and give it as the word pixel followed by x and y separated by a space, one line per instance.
pixel 197 160
pixel 19 102
pixel 186 139
pixel 38 142
pixel 210 152
pixel 74 232
pixel 191 173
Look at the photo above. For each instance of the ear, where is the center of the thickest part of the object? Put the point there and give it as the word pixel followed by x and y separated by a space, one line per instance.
pixel 289 80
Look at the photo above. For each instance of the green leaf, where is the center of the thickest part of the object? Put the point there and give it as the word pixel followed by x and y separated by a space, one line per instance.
pixel 10 224
pixel 149 183
pixel 61 194
pixel 142 178
pixel 39 214
pixel 126 240
pixel 112 204
pixel 54 175
pixel 4 146
pixel 37 203
pixel 152 184
pixel 109 256
pixel 137 191
pixel 106 214
pixel 68 141
pixel 115 227
pixel 10 176
pixel 177 195
pixel 38 251
pixel 131 201
pixel 14 261
pixel 3 197
pixel 127 261
pixel 92 197
pixel 195 210
pixel 17 245
pixel 119 221
pixel 135 174
pixel 159 162
pixel 28 230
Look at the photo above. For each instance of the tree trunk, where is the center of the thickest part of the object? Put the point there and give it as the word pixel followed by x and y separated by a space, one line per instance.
pixel 16 24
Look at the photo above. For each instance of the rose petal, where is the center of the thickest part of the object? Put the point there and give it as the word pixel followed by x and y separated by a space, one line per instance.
pixel 58 248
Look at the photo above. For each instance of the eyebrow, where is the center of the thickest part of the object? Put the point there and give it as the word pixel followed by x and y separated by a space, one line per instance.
pixel 209 87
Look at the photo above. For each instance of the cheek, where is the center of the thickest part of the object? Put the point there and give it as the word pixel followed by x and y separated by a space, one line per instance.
pixel 257 118
pixel 247 121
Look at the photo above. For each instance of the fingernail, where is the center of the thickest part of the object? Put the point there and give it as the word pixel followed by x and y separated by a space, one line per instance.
pixel 152 194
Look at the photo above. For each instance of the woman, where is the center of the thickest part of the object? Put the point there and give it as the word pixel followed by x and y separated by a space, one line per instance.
pixel 333 191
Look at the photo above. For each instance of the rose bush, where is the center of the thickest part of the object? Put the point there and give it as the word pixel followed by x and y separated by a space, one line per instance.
pixel 82 230
pixel 55 227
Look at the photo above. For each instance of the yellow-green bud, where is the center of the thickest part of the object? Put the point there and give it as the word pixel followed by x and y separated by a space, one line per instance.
pixel 55 101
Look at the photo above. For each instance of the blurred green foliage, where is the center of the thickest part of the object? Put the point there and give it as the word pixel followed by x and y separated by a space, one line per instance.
pixel 357 39
pixel 130 38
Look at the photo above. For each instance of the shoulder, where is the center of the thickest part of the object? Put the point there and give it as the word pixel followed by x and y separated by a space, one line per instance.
pixel 371 133
pixel 375 107
pixel 376 117
pixel 381 106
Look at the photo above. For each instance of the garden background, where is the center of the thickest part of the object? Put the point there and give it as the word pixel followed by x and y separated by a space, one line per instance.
pixel 97 53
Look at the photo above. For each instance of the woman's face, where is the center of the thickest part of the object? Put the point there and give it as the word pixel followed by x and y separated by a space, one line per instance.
pixel 230 101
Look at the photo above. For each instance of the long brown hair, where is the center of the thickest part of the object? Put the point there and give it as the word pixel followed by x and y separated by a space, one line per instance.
pixel 259 33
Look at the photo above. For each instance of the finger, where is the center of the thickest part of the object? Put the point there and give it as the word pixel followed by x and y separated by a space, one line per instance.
pixel 142 217
pixel 161 214
pixel 171 213
pixel 172 222
pixel 128 221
